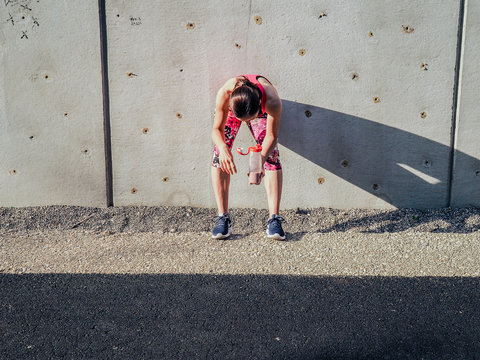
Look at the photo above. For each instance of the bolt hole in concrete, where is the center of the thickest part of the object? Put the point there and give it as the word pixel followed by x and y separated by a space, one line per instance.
pixel 427 163
pixel 65 114
pixel 13 172
pixel 165 179
pixel 376 99
pixel 190 25
pixel 145 130
pixel 301 52
pixel 424 66
pixel 45 76
pixel 370 34
pixel 31 137
pixel 344 163
pixel 130 74
pixel 118 15
pixel 308 113
pixel 375 187
pixel 321 181
pixel 423 114
pixel 477 173
pixel 133 191
pixel 354 76
pixel 238 45
pixel 322 15
pixel 258 20
pixel 407 29
pixel 181 70
pixel 179 115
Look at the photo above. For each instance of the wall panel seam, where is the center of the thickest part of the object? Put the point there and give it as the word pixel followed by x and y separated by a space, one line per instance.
pixel 456 95
pixel 106 103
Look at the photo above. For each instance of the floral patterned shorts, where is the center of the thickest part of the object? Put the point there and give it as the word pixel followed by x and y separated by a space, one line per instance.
pixel 258 129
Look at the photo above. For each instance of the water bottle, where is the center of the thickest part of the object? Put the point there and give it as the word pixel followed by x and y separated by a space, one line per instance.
pixel 255 168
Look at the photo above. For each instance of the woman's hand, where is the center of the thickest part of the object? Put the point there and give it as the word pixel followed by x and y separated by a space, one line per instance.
pixel 262 174
pixel 226 160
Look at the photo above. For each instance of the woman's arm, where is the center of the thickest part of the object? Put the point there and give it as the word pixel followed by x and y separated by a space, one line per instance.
pixel 218 131
pixel 274 112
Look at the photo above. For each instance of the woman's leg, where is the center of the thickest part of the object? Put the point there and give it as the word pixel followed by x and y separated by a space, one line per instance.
pixel 273 168
pixel 221 185
pixel 220 179
pixel 273 186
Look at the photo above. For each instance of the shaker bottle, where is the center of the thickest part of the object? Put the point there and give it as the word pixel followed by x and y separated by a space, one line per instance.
pixel 255 172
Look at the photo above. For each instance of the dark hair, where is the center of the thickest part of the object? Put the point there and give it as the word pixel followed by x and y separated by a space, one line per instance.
pixel 245 99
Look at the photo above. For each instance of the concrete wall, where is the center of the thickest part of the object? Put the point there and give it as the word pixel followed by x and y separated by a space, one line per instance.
pixel 466 170
pixel 368 89
pixel 51 127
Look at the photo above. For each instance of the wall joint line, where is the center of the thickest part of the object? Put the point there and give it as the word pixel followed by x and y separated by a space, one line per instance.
pixel 106 103
pixel 456 95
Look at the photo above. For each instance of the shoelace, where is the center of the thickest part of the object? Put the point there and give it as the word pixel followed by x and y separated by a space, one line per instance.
pixel 276 219
pixel 222 218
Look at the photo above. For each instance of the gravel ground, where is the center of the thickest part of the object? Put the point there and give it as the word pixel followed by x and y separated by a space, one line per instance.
pixel 313 254
pixel 66 239
pixel 245 221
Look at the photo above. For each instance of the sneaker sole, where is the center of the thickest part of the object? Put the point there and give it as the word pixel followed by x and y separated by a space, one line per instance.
pixel 275 236
pixel 221 236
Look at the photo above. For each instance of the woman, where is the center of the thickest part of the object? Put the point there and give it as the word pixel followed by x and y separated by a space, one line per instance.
pixel 251 99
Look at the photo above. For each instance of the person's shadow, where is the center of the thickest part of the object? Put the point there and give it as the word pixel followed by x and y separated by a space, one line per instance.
pixel 404 169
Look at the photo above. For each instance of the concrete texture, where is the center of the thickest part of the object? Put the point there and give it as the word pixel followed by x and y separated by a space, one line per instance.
pixel 384 143
pixel 466 170
pixel 388 145
pixel 159 113
pixel 368 90
pixel 51 116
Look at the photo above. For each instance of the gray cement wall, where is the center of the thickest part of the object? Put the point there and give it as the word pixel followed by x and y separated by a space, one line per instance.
pixel 51 127
pixel 368 90
pixel 466 170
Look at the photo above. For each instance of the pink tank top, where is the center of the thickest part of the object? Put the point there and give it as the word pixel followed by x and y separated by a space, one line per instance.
pixel 254 79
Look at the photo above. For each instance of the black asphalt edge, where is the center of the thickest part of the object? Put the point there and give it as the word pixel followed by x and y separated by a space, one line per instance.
pixel 106 102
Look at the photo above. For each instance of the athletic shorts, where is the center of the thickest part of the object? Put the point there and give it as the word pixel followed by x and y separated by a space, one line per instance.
pixel 258 128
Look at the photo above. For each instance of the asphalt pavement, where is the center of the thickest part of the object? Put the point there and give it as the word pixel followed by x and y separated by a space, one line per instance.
pixel 182 295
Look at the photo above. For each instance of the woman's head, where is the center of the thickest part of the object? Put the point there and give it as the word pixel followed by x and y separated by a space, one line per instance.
pixel 245 100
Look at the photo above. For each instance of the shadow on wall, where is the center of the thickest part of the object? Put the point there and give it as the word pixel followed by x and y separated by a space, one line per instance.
pixel 238 317
pixel 404 169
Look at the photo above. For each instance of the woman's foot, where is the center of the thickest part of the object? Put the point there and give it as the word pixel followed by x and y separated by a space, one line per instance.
pixel 223 227
pixel 274 228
